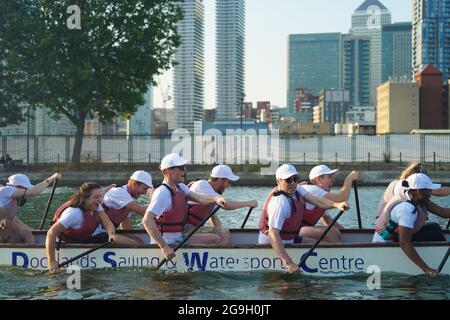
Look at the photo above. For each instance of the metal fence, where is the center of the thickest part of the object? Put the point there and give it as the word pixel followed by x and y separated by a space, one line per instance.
pixel 42 149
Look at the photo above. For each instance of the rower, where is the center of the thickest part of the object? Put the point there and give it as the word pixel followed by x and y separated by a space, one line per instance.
pixel 396 188
pixel 282 214
pixel 12 196
pixel 221 178
pixel 82 220
pixel 168 205
pixel 403 220
pixel 322 179
pixel 119 202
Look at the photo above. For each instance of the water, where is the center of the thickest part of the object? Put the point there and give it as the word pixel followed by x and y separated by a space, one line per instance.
pixel 143 283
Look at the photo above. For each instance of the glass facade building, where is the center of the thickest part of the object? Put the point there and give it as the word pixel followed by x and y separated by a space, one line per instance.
pixel 368 20
pixel 431 35
pixel 355 67
pixel 397 52
pixel 313 64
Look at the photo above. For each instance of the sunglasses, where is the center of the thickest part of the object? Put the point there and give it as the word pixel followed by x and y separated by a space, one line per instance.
pixel 295 179
pixel 181 168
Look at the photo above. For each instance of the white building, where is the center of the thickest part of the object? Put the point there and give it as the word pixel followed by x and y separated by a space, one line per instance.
pixel 189 72
pixel 230 53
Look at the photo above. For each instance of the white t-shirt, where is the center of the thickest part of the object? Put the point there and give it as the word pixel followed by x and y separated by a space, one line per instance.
pixel 203 187
pixel 404 214
pixel 279 210
pixel 316 191
pixel 162 202
pixel 6 194
pixel 73 218
pixel 117 198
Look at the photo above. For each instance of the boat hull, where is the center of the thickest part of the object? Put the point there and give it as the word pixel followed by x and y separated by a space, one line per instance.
pixel 326 261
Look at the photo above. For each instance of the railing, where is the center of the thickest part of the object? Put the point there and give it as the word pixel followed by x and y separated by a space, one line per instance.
pixel 430 148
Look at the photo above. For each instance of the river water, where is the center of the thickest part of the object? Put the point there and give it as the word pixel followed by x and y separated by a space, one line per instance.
pixel 16 283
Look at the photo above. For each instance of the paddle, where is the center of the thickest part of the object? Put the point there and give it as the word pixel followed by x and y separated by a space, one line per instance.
pixel 83 254
pixel 246 217
pixel 48 205
pixel 444 260
pixel 358 212
pixel 305 256
pixel 189 235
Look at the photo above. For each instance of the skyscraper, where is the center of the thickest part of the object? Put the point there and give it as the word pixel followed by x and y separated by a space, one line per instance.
pixel 141 122
pixel 431 40
pixel 397 51
pixel 313 64
pixel 189 71
pixel 368 20
pixel 230 54
pixel 355 68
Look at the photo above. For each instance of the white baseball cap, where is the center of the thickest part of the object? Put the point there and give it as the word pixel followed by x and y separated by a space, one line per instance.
pixel 286 171
pixel 19 180
pixel 223 171
pixel 143 177
pixel 320 171
pixel 172 160
pixel 420 181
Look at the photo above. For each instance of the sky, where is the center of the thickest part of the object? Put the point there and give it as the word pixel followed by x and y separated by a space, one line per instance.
pixel 268 24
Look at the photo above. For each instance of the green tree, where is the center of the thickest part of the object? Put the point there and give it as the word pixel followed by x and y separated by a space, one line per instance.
pixel 102 69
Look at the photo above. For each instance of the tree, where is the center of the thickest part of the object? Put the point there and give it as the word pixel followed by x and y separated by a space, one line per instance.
pixel 102 69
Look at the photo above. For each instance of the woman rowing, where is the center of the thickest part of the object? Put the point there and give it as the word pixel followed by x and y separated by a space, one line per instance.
pixel 82 220
pixel 403 220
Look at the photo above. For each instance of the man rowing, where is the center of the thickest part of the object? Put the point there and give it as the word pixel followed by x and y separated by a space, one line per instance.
pixel 12 196
pixel 221 178
pixel 282 215
pixel 322 179
pixel 168 205
pixel 119 202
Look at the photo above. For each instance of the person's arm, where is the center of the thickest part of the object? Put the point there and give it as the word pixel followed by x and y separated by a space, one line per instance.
pixel 38 188
pixel 441 192
pixel 438 210
pixel 136 207
pixel 107 224
pixel 280 250
pixel 207 199
pixel 150 226
pixel 407 247
pixel 344 193
pixel 234 205
pixel 50 243
pixel 324 203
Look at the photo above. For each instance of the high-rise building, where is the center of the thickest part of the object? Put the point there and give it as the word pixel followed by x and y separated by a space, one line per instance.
pixel 141 122
pixel 189 71
pixel 313 63
pixel 355 68
pixel 230 56
pixel 431 35
pixel 368 20
pixel 397 51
